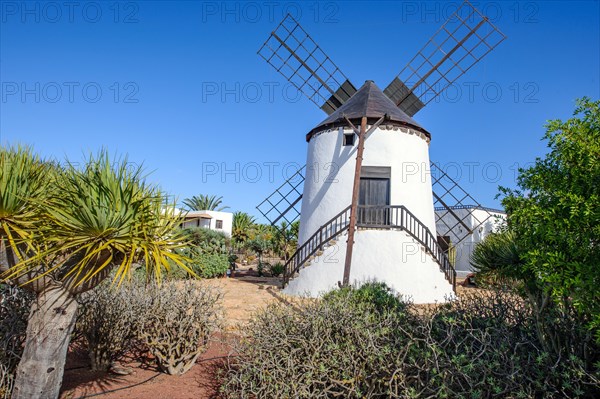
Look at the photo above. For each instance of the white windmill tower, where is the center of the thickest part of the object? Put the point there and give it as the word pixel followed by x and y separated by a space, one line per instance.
pixel 369 193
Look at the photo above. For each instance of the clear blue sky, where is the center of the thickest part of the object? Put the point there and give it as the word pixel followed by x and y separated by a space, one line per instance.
pixel 157 65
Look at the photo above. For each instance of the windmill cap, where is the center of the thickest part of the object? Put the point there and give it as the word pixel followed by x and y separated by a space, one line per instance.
pixel 371 102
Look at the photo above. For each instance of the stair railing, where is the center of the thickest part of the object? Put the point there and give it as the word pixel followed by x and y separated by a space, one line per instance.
pixel 327 232
pixel 396 217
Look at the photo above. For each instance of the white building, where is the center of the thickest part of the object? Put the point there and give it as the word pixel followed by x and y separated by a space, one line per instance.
pixel 480 221
pixel 396 237
pixel 214 220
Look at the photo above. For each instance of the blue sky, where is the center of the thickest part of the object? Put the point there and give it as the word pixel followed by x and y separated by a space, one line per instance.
pixel 178 86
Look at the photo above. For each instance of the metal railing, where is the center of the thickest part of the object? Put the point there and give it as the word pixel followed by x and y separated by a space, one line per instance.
pixel 395 217
pixel 330 230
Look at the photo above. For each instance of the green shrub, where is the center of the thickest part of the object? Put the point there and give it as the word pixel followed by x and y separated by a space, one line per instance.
pixel 210 265
pixel 277 269
pixel 365 342
pixel 206 240
pixel 497 260
pixel 207 253
pixel 262 266
pixel 232 258
pixel 485 345
pixel 371 294
pixel 317 349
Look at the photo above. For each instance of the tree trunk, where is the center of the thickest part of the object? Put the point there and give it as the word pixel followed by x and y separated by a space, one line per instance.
pixel 51 321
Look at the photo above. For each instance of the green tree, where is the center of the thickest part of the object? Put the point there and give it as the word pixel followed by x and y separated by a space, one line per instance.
pixel 260 245
pixel 63 230
pixel 555 217
pixel 286 239
pixel 204 203
pixel 241 227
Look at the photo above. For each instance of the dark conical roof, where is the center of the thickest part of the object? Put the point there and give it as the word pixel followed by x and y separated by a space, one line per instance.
pixel 371 102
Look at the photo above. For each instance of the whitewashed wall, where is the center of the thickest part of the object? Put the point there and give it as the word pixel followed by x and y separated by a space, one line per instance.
pixel 330 173
pixel 389 256
pixel 382 255
pixel 226 217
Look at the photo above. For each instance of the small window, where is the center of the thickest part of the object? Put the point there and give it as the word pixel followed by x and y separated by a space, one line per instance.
pixel 349 139
pixel 219 224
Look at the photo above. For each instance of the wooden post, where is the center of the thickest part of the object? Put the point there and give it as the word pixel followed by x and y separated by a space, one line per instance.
pixel 354 206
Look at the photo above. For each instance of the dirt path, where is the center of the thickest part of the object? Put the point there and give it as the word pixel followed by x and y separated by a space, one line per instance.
pixel 244 295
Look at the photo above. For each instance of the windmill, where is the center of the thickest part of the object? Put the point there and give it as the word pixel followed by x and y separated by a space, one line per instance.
pixel 382 198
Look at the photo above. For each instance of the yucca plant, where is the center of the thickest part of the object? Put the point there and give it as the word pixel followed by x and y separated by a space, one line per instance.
pixel 63 231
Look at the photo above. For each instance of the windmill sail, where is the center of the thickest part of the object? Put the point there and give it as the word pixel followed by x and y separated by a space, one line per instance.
pixel 296 56
pixel 462 41
pixel 455 208
pixel 284 203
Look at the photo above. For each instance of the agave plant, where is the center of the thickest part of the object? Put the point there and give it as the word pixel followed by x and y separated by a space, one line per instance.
pixel 63 230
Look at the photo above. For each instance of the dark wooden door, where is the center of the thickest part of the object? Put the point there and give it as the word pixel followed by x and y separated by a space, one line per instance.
pixel 373 192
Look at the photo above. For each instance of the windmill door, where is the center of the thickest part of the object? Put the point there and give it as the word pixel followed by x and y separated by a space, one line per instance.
pixel 374 196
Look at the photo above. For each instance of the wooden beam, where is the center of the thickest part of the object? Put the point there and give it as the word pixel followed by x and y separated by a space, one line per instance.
pixel 354 206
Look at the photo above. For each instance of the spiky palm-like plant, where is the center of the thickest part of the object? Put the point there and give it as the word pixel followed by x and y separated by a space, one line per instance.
pixel 63 230
pixel 498 258
pixel 205 203
pixel 286 239
pixel 242 224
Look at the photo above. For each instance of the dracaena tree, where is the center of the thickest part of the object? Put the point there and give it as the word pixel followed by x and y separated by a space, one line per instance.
pixel 63 230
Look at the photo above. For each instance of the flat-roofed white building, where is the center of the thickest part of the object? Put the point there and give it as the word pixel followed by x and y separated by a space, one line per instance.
pixel 213 220
pixel 478 220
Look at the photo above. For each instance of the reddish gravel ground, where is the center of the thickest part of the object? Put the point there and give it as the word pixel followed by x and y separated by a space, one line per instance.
pixel 145 381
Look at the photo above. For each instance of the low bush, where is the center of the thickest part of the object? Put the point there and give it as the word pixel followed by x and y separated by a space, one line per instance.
pixel 15 304
pixel 106 319
pixel 262 266
pixel 337 347
pixel 372 294
pixel 232 258
pixel 486 345
pixel 206 240
pixel 177 319
pixel 172 321
pixel 277 269
pixel 209 265
pixel 366 342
